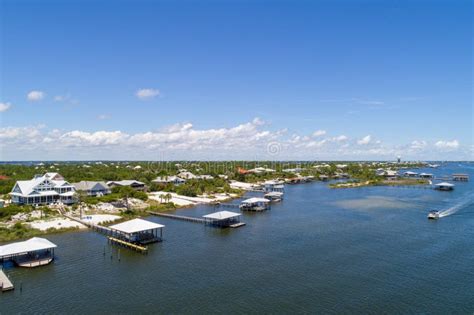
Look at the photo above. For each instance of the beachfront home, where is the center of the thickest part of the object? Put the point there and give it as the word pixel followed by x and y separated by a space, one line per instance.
pixel 410 174
pixel 138 231
pixel 43 189
pixel 34 252
pixel 255 204
pixel 444 186
pixel 461 177
pixel 92 188
pixel 244 186
pixel 388 174
pixel 223 219
pixel 175 180
pixel 135 184
pixel 187 175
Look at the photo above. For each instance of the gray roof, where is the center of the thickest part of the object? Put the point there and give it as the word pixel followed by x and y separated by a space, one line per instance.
pixel 90 185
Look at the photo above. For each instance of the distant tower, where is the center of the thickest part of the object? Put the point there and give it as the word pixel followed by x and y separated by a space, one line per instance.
pixel 399 159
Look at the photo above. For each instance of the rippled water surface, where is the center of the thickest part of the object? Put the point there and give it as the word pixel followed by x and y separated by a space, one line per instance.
pixel 321 250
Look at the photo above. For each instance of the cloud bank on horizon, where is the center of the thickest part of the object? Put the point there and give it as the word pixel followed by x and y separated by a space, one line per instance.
pixel 252 140
pixel 185 80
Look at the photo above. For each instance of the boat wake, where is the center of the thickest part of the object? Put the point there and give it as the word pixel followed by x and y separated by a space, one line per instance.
pixel 463 203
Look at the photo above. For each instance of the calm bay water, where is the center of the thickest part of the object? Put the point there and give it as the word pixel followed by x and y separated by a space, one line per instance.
pixel 367 250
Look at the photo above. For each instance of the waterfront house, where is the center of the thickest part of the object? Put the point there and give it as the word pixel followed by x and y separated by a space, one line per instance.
pixel 410 174
pixel 92 188
pixel 223 219
pixel 255 204
pixel 43 189
pixel 135 184
pixel 388 174
pixel 187 175
pixel 244 186
pixel 138 231
pixel 461 177
pixel 175 180
pixel 31 253
pixel 444 186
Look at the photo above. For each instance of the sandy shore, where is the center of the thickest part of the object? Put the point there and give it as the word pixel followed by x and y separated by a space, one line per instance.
pixel 56 223
pixel 180 200
pixel 100 218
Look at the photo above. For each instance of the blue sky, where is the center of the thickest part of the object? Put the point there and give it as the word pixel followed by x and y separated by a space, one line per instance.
pixel 315 77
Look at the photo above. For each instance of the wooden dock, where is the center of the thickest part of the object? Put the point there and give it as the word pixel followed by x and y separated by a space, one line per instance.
pixel 178 217
pixel 5 283
pixel 136 247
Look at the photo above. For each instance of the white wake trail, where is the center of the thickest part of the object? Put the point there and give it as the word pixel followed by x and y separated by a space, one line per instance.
pixel 464 202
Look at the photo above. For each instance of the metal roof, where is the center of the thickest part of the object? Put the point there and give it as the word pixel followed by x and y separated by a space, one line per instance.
pixel 136 225
pixel 31 245
pixel 221 215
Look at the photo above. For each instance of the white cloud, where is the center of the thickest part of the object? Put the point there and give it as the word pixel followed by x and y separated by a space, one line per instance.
pixel 340 138
pixel 145 94
pixel 319 133
pixel 35 96
pixel 370 102
pixel 418 144
pixel 4 107
pixel 447 145
pixel 103 117
pixel 364 141
pixel 248 140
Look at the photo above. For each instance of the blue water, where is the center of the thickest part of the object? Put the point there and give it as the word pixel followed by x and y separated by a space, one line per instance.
pixel 365 250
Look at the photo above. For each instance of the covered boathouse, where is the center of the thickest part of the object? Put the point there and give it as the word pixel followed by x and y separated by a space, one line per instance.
pixel 444 186
pixel 461 177
pixel 138 231
pixel 223 219
pixel 34 252
pixel 255 204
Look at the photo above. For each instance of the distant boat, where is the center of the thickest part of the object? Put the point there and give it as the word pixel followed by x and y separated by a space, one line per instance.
pixel 433 215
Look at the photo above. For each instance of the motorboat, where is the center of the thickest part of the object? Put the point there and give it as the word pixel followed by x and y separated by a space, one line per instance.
pixel 433 215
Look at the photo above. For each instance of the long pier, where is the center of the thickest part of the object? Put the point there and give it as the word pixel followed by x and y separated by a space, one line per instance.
pixel 5 283
pixel 178 217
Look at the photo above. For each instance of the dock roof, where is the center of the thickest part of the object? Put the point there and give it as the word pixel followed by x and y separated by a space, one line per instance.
pixel 255 200
pixel 445 184
pixel 31 245
pixel 221 215
pixel 135 226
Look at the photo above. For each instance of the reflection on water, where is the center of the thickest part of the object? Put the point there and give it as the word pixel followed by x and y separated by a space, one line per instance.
pixel 365 250
pixel 372 203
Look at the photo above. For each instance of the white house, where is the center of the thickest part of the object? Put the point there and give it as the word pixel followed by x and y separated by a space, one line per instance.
pixel 169 180
pixel 43 189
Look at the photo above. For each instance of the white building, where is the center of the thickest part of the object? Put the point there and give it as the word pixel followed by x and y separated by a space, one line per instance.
pixel 169 180
pixel 45 189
